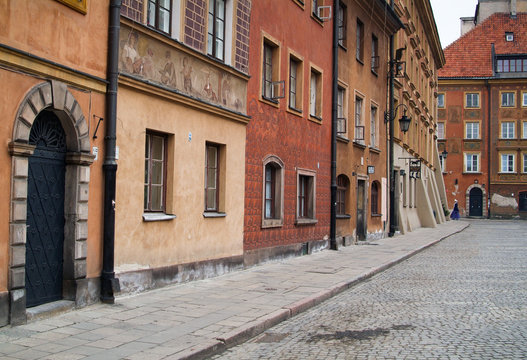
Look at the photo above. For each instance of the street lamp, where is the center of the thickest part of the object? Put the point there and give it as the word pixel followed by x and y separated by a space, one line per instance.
pixel 404 121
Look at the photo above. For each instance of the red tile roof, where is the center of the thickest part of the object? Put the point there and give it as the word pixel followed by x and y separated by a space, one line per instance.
pixel 470 55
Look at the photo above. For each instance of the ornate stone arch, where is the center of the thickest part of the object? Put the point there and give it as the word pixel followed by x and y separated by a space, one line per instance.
pixel 484 200
pixel 54 96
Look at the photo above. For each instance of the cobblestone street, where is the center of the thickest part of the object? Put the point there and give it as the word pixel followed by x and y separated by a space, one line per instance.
pixel 465 298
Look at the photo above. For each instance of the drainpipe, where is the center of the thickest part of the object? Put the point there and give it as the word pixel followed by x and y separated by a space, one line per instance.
pixel 393 226
pixel 489 153
pixel 109 284
pixel 333 216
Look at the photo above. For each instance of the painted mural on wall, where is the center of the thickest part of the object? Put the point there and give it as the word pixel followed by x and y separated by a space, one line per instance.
pixel 156 62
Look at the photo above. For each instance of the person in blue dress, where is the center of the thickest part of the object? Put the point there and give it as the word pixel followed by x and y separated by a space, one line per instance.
pixel 455 212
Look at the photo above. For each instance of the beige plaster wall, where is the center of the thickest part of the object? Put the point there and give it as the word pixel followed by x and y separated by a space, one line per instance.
pixel 190 237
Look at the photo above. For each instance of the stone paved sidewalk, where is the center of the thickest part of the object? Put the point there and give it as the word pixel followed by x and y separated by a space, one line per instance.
pixel 201 318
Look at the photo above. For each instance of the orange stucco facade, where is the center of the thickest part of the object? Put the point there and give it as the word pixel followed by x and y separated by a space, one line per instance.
pixel 52 66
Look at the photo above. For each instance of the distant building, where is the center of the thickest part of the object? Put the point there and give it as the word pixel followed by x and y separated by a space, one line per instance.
pixel 486 8
pixel 482 118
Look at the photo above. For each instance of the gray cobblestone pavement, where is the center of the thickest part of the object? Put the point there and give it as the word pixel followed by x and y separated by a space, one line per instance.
pixel 202 318
pixel 465 298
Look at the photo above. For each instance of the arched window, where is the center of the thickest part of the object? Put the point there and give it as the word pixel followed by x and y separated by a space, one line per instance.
pixel 342 191
pixel 375 198
pixel 272 194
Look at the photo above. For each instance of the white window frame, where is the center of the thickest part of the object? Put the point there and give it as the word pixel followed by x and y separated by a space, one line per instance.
pixel 524 158
pixel 507 104
pixel 278 219
pixel 505 129
pixel 374 112
pixel 441 130
pixel 524 125
pixel 472 97
pixel 507 159
pixel 441 104
pixel 442 163
pixel 469 159
pixel 474 127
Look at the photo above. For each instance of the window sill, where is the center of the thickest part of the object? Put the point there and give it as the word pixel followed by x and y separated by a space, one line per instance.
pixel 272 223
pixel 359 61
pixel 149 217
pixel 472 172
pixel 373 149
pixel 306 221
pixel 316 119
pixel 343 217
pixel 213 214
pixel 343 139
pixel 374 73
pixel 343 47
pixel 376 215
pixel 297 112
pixel 507 173
pixel 270 102
pixel 359 144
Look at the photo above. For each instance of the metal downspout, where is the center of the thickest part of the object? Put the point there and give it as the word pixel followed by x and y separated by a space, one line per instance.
pixel 393 226
pixel 109 284
pixel 489 153
pixel 334 114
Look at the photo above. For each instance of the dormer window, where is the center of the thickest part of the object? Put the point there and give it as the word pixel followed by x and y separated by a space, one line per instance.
pixel 509 36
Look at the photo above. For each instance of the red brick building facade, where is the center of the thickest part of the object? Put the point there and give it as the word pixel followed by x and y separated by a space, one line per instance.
pixel 288 152
pixel 483 118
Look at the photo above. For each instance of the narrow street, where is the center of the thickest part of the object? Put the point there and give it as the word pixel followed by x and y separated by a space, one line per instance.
pixel 465 298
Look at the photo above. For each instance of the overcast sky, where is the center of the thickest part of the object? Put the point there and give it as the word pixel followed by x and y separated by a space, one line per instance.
pixel 447 14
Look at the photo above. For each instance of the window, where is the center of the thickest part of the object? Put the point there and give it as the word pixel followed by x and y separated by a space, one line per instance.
pixel 341 118
pixel 440 100
pixel 306 196
pixel 375 198
pixel 315 94
pixel 374 53
pixel 373 126
pixel 272 192
pixel 342 190
pixel 509 36
pixel 471 163
pixel 442 162
pixel 440 130
pixel 511 65
pixel 269 69
pixel 159 15
pixel 295 84
pixel 359 128
pixel 472 100
pixel 507 99
pixel 472 130
pixel 524 135
pixel 212 177
pixel 507 130
pixel 507 163
pixel 342 25
pixel 524 99
pixel 359 53
pixel 524 163
pixel 216 29
pixel 155 172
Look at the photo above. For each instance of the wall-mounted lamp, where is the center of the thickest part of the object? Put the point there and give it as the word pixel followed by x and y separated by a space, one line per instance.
pixel 444 154
pixel 404 121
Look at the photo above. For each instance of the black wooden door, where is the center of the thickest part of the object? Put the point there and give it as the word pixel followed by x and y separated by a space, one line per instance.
pixel 475 202
pixel 45 211
pixel 361 210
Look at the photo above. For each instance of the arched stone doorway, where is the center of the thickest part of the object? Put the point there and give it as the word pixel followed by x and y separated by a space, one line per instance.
pixel 475 201
pixel 50 100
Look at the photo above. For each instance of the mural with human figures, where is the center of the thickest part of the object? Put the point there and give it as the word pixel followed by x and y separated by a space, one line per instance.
pixel 154 61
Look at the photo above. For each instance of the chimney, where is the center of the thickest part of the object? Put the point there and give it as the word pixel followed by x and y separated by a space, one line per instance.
pixel 513 8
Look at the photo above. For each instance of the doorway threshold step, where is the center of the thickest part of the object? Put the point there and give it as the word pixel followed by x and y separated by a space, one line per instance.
pixel 48 310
